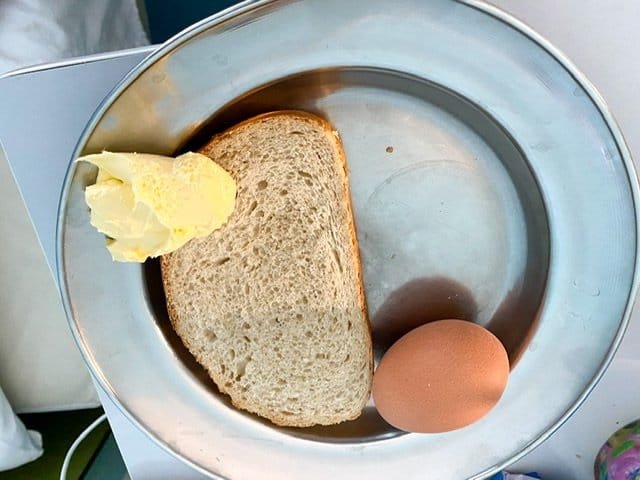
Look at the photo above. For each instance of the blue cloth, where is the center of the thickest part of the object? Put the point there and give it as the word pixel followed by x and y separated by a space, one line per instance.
pixel 515 476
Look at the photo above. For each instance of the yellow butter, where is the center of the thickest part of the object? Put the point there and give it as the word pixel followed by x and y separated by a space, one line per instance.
pixel 149 205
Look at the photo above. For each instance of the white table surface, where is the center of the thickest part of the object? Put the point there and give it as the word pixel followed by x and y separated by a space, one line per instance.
pixel 600 37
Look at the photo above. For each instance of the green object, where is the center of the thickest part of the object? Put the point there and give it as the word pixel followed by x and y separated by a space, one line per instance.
pixel 59 430
pixel 623 447
pixel 619 457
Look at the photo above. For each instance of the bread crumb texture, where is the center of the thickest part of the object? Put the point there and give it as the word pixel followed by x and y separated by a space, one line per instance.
pixel 271 304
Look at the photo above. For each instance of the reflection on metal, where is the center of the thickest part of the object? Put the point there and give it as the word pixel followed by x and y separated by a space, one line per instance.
pixel 476 173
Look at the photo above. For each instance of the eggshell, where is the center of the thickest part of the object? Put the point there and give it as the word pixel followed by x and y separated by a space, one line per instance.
pixel 440 377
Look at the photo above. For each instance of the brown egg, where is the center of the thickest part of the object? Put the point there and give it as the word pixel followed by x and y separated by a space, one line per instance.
pixel 441 376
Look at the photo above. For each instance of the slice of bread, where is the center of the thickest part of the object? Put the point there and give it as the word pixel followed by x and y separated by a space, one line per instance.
pixel 271 304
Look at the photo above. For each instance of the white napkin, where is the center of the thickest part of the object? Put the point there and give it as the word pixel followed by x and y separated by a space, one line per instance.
pixel 37 31
pixel 17 444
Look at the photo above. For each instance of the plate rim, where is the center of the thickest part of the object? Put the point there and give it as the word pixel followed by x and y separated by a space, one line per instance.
pixel 247 6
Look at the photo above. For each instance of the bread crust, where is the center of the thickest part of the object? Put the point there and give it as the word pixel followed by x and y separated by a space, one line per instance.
pixel 167 274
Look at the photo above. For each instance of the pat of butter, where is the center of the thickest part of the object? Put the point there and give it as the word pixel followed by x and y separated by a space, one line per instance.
pixel 149 205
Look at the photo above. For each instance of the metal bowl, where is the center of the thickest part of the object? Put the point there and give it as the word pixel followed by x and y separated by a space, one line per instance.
pixel 489 183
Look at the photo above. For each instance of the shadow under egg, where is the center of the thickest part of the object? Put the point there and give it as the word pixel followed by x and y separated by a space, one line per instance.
pixel 418 302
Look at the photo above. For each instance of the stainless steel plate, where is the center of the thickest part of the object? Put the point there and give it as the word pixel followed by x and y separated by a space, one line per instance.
pixel 488 182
